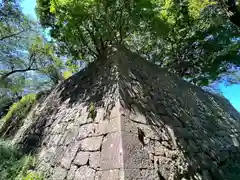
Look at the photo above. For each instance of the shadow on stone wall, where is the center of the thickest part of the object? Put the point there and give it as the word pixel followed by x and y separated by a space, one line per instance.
pixel 203 127
pixel 95 84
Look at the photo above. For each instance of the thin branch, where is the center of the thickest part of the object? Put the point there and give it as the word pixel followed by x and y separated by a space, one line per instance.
pixel 11 35
pixel 16 71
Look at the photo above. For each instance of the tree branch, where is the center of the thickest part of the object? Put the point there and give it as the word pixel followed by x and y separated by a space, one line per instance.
pixel 16 71
pixel 11 35
pixel 85 43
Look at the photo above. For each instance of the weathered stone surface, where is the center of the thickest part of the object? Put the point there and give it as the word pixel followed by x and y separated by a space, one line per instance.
pixel 84 173
pixel 148 124
pixel 70 135
pixel 81 158
pixel 59 128
pixel 109 175
pixel 71 172
pixel 132 127
pixel 58 155
pixel 94 160
pixel 69 155
pixel 138 117
pixel 59 174
pixel 137 174
pixel 85 131
pixel 47 154
pixel 107 126
pixel 149 174
pixel 112 152
pixel 91 144
pixel 134 155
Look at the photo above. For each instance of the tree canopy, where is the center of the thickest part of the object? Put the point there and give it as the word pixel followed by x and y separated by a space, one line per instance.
pixel 194 38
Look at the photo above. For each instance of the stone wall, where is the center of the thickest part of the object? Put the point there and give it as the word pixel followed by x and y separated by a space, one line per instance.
pixel 126 119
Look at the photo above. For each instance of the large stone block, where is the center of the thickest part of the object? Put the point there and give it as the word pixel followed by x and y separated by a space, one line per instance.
pixel 70 154
pixel 84 173
pixel 112 151
pixel 140 174
pixel 134 155
pixel 82 158
pixel 109 175
pixel 59 174
pixel 91 143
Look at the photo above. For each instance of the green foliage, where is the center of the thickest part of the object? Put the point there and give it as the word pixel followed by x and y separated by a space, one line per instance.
pixel 20 108
pixel 92 111
pixel 25 53
pixel 14 165
pixel 96 24
pixel 191 38
pixel 32 175
pixel 67 74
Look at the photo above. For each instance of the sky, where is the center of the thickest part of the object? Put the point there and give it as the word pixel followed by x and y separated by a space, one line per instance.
pixel 232 93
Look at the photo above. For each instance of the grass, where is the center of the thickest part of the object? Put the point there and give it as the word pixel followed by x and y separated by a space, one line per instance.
pixel 20 108
pixel 13 120
pixel 16 166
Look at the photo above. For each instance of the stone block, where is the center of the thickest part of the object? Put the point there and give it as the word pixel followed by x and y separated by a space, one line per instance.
pixel 132 127
pixel 138 117
pixel 71 135
pixel 47 154
pixel 69 155
pixel 94 160
pixel 86 130
pixel 91 143
pixel 59 128
pixel 59 173
pixel 134 155
pixel 111 154
pixel 107 126
pixel 85 173
pixel 140 174
pixel 58 155
pixel 115 111
pixel 81 158
pixel 108 175
pixel 54 140
pixel 71 172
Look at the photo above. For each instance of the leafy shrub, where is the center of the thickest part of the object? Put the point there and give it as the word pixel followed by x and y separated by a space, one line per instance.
pixel 5 102
pixel 14 165
pixel 13 120
pixel 20 108
pixel 67 74
pixel 32 175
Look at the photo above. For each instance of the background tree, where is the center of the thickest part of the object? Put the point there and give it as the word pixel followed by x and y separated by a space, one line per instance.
pixel 28 62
